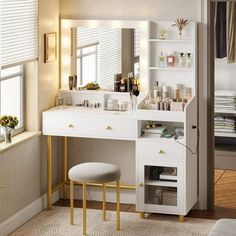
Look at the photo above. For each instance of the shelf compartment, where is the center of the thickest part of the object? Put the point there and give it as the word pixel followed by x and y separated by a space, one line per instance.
pixel 222 111
pixel 227 135
pixel 170 40
pixel 163 196
pixel 170 68
pixel 160 183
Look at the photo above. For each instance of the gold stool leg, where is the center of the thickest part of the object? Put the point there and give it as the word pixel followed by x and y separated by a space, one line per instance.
pixel 104 203
pixel 84 208
pixel 118 205
pixel 71 202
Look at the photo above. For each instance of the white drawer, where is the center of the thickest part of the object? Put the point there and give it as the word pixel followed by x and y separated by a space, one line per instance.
pixel 159 150
pixel 89 127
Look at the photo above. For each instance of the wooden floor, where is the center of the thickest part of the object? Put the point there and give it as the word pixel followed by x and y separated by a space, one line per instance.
pixel 225 199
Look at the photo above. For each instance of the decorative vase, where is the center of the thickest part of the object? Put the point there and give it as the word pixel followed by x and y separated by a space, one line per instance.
pixel 8 134
pixel 179 34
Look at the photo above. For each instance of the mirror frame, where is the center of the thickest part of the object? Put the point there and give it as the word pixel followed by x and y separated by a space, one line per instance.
pixel 67 46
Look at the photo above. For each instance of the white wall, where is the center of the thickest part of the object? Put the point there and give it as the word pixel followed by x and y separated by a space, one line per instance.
pixel 24 166
pixel 194 10
pixel 225 75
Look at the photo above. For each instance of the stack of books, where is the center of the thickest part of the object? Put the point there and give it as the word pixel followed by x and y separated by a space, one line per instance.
pixel 157 131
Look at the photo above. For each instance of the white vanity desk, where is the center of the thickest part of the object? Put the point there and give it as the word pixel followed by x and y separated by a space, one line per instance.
pixel 90 123
pixel 81 122
pixel 179 191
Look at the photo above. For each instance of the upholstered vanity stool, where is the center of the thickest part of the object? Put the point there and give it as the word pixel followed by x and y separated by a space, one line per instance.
pixel 94 172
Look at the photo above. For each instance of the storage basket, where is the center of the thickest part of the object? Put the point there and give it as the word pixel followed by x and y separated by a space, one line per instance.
pixel 169 198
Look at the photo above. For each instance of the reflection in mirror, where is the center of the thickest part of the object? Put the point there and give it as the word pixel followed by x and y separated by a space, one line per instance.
pixel 104 52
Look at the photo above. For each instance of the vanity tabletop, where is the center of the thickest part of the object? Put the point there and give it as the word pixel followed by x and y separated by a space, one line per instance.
pixel 83 111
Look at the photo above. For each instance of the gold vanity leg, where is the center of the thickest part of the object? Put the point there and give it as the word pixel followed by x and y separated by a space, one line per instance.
pixel 65 166
pixel 181 218
pixel 142 215
pixel 49 172
pixel 84 208
pixel 118 205
pixel 71 202
pixel 104 203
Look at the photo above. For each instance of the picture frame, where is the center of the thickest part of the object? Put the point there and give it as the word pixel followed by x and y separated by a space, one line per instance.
pixel 50 47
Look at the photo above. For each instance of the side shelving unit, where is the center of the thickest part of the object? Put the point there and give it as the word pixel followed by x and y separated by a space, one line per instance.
pixel 158 192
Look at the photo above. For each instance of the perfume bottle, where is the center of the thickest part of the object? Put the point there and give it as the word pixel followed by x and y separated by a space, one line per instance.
pixel 182 62
pixel 189 60
pixel 162 61
pixel 164 92
pixel 171 60
pixel 157 91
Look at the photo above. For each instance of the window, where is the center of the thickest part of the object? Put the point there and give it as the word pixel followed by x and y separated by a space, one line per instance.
pixel 18 45
pixel 11 94
pixel 87 60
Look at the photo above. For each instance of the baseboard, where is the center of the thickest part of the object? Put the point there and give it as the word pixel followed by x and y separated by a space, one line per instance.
pixel 24 215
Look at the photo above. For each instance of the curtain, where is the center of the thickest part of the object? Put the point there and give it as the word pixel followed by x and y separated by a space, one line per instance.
pixel 220 30
pixel 231 31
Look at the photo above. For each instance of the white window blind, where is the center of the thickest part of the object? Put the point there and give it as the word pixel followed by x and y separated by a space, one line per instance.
pixel 19 31
pixel 109 51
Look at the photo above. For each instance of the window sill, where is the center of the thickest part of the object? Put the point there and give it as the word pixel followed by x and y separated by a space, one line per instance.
pixel 19 138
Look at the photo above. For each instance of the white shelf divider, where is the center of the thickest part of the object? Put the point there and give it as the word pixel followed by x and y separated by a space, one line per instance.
pixel 170 40
pixel 169 68
pixel 161 183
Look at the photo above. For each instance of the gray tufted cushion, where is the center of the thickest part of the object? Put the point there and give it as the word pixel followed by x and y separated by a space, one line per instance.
pixel 224 227
pixel 94 172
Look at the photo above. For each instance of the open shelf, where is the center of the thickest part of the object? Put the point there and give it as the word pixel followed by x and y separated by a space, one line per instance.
pixel 160 183
pixel 222 111
pixel 169 68
pixel 228 135
pixel 170 40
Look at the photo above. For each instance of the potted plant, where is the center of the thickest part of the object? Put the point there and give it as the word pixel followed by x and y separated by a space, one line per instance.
pixel 180 23
pixel 8 123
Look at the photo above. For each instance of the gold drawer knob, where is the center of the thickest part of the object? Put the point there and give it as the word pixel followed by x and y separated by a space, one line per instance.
pixel 161 152
pixel 141 185
pixel 108 127
pixel 70 126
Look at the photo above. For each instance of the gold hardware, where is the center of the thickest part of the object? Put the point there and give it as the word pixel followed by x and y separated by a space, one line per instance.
pixel 108 127
pixel 70 126
pixel 141 185
pixel 142 215
pixel 181 218
pixel 161 152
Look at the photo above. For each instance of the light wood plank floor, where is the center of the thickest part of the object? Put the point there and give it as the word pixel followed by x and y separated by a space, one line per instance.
pixel 225 199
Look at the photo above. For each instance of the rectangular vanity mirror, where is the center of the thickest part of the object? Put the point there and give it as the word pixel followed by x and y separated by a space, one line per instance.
pixel 96 51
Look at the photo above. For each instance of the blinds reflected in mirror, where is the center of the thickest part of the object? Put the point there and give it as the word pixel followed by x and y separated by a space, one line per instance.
pixel 100 64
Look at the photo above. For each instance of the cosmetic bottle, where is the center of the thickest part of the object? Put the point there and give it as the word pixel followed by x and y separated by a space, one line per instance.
pixel 182 62
pixel 170 61
pixel 164 92
pixel 156 91
pixel 123 86
pixel 162 60
pixel 189 60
